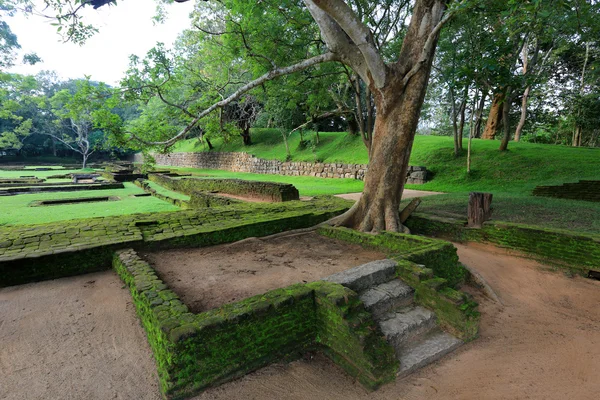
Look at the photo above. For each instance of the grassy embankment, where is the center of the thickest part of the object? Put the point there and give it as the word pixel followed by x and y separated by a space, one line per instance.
pixel 510 176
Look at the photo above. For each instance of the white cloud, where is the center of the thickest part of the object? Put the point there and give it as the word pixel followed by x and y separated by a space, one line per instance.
pixel 124 29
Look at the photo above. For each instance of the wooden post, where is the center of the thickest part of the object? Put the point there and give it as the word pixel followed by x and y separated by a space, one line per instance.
pixel 480 209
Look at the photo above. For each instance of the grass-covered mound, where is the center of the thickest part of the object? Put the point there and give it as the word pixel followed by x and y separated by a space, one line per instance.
pixel 520 169
pixel 510 176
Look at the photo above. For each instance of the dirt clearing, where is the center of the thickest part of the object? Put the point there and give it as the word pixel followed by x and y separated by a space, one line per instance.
pixel 73 338
pixel 208 277
pixel 543 343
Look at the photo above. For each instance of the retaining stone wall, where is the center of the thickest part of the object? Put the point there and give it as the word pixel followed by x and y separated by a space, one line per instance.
pixel 244 162
pixel 574 251
pixel 582 190
pixel 30 253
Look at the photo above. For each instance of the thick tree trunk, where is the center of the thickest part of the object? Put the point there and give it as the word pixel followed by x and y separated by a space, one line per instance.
pixel 398 92
pixel 494 118
pixel 378 207
pixel 523 118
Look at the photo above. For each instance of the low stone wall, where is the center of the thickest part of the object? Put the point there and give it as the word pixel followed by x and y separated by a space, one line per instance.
pixel 582 190
pixel 269 191
pixel 573 251
pixel 194 351
pixel 244 162
pixel 30 253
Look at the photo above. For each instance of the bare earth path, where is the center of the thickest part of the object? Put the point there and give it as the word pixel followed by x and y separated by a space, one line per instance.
pixel 73 338
pixel 79 338
pixel 544 343
pixel 406 194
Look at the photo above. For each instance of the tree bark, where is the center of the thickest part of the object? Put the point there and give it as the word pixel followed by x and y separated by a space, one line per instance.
pixel 461 124
pixel 495 117
pixel 454 123
pixel 246 136
pixel 523 118
pixel 398 106
pixel 479 210
pixel 479 116
pixel 506 121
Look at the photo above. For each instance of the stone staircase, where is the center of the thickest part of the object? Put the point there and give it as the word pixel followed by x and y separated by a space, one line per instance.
pixel 409 328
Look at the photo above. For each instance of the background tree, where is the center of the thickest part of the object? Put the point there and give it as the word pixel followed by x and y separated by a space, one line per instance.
pixel 86 109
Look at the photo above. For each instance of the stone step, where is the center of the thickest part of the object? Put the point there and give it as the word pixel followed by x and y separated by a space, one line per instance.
pixel 402 325
pixel 429 348
pixel 381 299
pixel 365 276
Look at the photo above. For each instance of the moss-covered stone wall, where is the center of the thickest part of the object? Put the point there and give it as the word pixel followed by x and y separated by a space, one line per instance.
pixel 194 351
pixel 269 191
pixel 49 251
pixel 574 251
pixel 430 267
pixel 438 255
pixel 582 190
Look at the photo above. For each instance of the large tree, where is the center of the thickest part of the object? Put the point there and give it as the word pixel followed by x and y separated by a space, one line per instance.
pixel 398 88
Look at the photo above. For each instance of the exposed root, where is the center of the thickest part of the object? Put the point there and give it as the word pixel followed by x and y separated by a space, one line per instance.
pixel 373 220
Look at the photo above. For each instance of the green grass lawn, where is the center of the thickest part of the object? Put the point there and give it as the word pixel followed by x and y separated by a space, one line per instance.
pixel 510 175
pixel 42 174
pixel 580 216
pixel 15 210
pixel 520 169
pixel 166 192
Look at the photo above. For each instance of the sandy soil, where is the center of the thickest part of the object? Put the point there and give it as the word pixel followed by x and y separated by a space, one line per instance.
pixel 543 342
pixel 406 194
pixel 73 338
pixel 208 277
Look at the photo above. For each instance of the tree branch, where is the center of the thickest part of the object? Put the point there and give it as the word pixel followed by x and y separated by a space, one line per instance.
pixel 275 73
pixel 427 48
pixel 360 34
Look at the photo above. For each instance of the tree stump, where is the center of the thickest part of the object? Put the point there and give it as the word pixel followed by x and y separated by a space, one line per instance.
pixel 479 210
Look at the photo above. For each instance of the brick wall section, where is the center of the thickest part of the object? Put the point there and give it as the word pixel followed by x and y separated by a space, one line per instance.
pixel 244 162
pixel 582 190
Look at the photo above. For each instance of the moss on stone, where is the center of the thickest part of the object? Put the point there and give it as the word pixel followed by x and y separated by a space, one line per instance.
pixel 562 248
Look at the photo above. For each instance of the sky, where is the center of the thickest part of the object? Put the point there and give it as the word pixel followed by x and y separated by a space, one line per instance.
pixel 124 29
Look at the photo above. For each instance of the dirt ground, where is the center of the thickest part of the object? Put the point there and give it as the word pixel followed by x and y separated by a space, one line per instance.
pixel 79 338
pixel 406 194
pixel 543 342
pixel 206 278
pixel 73 338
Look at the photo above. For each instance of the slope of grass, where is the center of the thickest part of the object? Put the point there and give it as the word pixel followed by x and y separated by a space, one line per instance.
pixel 268 144
pixel 510 175
pixel 16 210
pixel 519 170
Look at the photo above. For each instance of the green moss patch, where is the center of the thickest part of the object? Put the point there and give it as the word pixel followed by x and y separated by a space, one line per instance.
pixel 269 191
pixel 563 248
pixel 194 351
pixel 28 253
